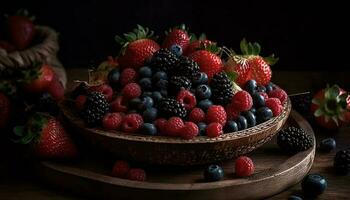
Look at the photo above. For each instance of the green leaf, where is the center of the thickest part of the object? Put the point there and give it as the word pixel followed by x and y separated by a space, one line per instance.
pixel 316 101
pixel 250 49
pixel 202 37
pixel 232 75
pixel 244 46
pixel 332 92
pixel 256 48
pixel 318 113
pixel 271 60
pixel 19 131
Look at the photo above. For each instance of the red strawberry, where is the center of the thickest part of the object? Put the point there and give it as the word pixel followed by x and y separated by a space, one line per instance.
pixel 21 30
pixel 196 45
pixel 329 107
pixel 5 110
pixel 42 81
pixel 7 46
pixel 49 138
pixel 177 36
pixel 136 47
pixel 56 89
pixel 208 62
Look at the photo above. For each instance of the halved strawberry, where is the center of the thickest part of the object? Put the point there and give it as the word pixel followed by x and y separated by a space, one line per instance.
pixel 137 46
pixel 177 35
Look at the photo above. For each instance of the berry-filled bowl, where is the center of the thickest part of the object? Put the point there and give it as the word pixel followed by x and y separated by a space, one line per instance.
pixel 179 103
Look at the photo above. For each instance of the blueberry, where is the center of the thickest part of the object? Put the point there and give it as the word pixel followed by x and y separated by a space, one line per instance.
pixel 162 84
pixel 150 114
pixel 145 72
pixel 231 126
pixel 313 185
pixel 200 78
pixel 251 119
pixel 146 102
pixel 113 77
pixel 156 95
pixel 263 114
pixel 134 103
pixel 176 49
pixel 202 127
pixel 327 145
pixel 241 123
pixel 253 110
pixel 293 197
pixel 258 100
pixel 213 173
pixel 261 88
pixel 146 94
pixel 269 87
pixel 159 76
pixel 203 92
pixel 205 104
pixel 146 83
pixel 148 129
pixel 251 86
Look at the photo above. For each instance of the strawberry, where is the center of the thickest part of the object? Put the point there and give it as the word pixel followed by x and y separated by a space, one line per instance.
pixel 177 35
pixel 5 110
pixel 7 46
pixel 21 30
pixel 330 106
pixel 48 137
pixel 56 89
pixel 42 79
pixel 196 45
pixel 136 47
pixel 209 62
pixel 250 65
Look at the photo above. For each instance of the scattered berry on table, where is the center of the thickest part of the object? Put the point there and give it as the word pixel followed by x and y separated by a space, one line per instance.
pixel 250 117
pixel 275 105
pixel 214 130
pixel 258 100
pixel 244 166
pixel 302 103
pixel 145 72
pixel 313 185
pixel 293 140
pixel 205 104
pixel 263 114
pixel 242 101
pixel 221 88
pixel 131 90
pixel 150 114
pixel 216 113
pixel 119 105
pixel 148 129
pixel 128 75
pixel 242 123
pixel 231 126
pixel 203 92
pixel 132 123
pixel 114 78
pixel 168 107
pixel 176 49
pixel 173 126
pixel 328 144
pixel 189 131
pixel 202 128
pixel 120 169
pixel 196 115
pixel 280 94
pixel 112 121
pixel 96 106
pixel 136 174
pixel 213 173
pixel 342 162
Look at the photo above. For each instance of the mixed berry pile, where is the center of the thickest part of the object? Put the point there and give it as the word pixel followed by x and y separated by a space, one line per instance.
pixel 181 88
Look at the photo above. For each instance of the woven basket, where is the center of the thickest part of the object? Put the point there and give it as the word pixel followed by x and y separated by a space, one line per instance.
pixel 45 51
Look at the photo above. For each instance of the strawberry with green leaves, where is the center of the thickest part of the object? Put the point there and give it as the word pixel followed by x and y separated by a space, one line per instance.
pixel 38 79
pixel 177 35
pixel 197 44
pixel 250 65
pixel 137 46
pixel 47 137
pixel 330 107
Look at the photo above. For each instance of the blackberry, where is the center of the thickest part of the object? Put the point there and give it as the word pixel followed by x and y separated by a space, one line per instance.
pixel 221 88
pixel 96 107
pixel 177 83
pixel 293 140
pixel 186 67
pixel 164 60
pixel 168 107
pixel 342 162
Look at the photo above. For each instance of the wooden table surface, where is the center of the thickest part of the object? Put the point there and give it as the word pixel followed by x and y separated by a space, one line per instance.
pixel 17 182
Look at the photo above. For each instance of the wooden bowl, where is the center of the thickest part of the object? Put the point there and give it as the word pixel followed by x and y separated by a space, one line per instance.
pixel 163 150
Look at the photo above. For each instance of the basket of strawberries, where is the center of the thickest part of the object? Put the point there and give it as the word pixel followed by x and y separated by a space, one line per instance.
pixel 184 102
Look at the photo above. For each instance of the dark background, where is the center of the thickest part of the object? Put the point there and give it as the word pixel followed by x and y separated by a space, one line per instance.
pixel 306 36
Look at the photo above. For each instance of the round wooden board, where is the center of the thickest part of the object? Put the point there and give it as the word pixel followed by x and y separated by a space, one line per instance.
pixel 274 173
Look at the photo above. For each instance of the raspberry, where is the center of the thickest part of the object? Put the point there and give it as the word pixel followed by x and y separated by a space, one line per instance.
pixel 131 90
pixel 197 115
pixel 216 113
pixel 231 112
pixel 80 102
pixel 118 105
pixel 189 131
pixel 137 174
pixel 264 95
pixel 275 105
pixel 187 98
pixel 105 89
pixel 244 166
pixel 128 75
pixel 160 124
pixel 112 121
pixel 132 122
pixel 214 130
pixel 242 101
pixel 280 94
pixel 120 169
pixel 173 126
